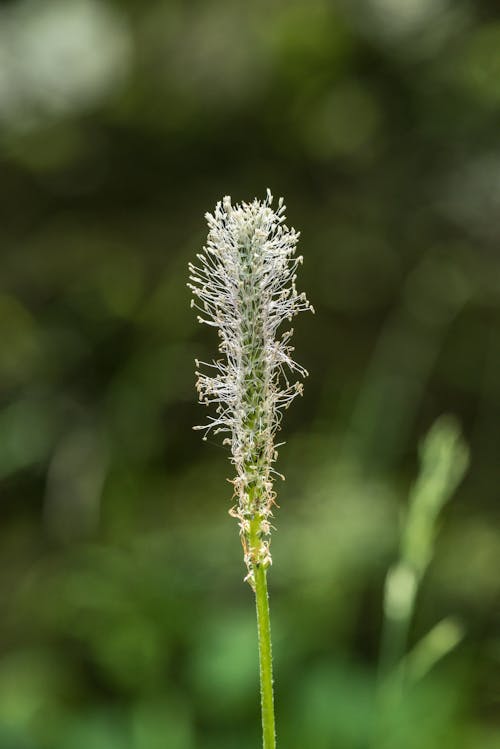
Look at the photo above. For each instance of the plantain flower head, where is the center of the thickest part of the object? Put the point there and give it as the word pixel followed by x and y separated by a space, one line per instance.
pixel 244 286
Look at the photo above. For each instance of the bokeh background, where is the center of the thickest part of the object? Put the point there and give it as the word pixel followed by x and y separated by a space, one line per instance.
pixel 125 623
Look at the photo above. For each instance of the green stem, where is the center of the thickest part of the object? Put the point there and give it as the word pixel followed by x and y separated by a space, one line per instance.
pixel 265 658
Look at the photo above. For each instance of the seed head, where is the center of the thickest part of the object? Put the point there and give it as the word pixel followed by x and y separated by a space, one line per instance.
pixel 244 285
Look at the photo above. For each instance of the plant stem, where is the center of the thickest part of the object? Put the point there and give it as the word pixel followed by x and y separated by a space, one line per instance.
pixel 265 658
pixel 394 642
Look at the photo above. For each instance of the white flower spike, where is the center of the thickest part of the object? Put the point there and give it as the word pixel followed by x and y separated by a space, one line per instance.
pixel 244 285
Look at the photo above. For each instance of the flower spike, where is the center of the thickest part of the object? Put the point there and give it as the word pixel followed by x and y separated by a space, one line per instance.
pixel 244 285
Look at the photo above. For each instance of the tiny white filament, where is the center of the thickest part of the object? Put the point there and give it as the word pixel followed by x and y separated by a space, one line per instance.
pixel 244 285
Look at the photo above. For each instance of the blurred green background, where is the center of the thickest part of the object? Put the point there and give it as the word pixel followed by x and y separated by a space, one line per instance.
pixel 125 623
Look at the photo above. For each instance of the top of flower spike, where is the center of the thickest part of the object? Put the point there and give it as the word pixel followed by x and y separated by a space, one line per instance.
pixel 246 278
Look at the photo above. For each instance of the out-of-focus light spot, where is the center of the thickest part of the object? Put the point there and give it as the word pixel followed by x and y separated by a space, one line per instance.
pixel 403 16
pixel 29 683
pixel 304 37
pixel 204 53
pixel 471 196
pixel 412 28
pixel 58 57
pixel 345 122
pixel 478 64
